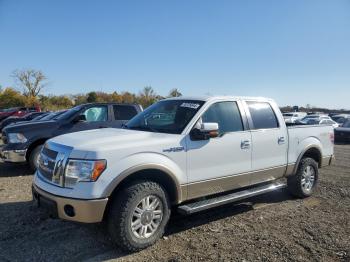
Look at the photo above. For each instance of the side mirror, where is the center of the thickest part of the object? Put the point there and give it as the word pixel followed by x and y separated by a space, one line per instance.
pixel 205 131
pixel 80 118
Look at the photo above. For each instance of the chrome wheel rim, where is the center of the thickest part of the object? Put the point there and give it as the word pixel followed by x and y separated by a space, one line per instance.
pixel 308 178
pixel 146 217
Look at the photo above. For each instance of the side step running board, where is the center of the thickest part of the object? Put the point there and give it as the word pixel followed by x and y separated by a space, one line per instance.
pixel 200 205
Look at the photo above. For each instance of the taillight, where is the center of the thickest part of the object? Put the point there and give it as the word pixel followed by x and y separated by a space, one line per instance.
pixel 331 137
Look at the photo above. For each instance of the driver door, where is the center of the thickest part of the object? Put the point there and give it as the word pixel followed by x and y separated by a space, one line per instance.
pixel 218 164
pixel 96 117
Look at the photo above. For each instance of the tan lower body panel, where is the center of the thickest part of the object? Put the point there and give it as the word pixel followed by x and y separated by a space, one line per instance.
pixel 214 186
pixel 86 211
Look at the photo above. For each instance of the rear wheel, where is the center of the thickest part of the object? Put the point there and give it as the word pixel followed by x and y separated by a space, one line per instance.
pixel 138 215
pixel 302 184
pixel 33 159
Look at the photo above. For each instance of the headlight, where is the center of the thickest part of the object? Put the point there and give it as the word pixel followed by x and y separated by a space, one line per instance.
pixel 83 170
pixel 16 138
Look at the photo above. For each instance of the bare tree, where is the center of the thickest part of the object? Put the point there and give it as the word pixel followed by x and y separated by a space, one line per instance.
pixel 148 92
pixel 174 93
pixel 32 81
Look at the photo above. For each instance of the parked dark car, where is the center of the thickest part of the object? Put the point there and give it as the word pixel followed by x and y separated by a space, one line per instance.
pixel 341 119
pixel 17 119
pixel 342 134
pixel 17 111
pixel 23 142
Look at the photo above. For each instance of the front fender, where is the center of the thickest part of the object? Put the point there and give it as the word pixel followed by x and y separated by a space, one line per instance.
pixel 117 172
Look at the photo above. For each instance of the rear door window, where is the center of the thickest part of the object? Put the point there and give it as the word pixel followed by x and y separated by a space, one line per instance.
pixel 124 112
pixel 262 115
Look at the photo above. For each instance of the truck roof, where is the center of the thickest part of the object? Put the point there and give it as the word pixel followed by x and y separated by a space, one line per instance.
pixel 210 98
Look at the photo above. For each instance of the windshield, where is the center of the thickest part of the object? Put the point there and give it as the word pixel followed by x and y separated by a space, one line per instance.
pixel 69 113
pixel 167 116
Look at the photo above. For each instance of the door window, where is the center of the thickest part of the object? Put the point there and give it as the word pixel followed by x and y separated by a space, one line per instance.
pixel 124 112
pixel 96 113
pixel 226 114
pixel 263 116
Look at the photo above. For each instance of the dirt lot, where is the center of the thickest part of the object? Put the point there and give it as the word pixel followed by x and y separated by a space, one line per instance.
pixel 273 227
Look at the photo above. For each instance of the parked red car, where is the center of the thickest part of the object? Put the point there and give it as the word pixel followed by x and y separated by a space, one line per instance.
pixel 17 111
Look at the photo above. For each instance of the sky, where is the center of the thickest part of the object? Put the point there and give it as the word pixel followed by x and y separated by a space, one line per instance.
pixel 294 51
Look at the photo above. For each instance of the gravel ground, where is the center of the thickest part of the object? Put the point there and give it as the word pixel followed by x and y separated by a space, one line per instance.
pixel 273 227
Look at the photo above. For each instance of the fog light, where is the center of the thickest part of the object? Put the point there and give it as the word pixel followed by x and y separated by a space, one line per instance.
pixel 69 210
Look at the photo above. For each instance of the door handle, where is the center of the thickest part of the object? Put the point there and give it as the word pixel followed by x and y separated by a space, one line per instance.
pixel 245 144
pixel 281 140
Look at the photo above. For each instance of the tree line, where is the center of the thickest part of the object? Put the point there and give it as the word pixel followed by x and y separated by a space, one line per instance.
pixel 31 83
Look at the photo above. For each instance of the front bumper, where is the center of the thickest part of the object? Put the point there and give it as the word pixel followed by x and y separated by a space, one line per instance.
pixel 79 210
pixel 14 156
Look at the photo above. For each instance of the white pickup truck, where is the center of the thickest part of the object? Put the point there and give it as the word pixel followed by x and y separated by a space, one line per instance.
pixel 185 153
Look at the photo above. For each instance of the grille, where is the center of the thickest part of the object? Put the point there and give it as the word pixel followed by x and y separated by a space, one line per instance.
pixel 50 153
pixel 47 163
pixel 52 162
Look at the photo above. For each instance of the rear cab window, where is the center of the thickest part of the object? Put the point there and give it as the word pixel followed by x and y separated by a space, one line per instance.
pixel 262 115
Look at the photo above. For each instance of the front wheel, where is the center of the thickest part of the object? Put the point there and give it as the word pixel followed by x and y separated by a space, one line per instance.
pixel 302 183
pixel 138 215
pixel 33 159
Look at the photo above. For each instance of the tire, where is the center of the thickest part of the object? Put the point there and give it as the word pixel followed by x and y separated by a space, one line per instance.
pixel 302 183
pixel 123 212
pixel 33 157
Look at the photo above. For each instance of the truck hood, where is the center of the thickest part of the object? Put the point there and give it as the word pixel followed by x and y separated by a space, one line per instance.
pixel 23 127
pixel 112 139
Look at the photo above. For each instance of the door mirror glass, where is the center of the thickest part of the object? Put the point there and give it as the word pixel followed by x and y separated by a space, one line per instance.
pixel 205 131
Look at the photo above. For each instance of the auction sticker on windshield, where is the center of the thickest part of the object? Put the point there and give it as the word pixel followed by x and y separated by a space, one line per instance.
pixel 190 105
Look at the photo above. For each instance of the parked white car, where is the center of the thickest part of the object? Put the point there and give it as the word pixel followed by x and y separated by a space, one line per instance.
pixel 319 120
pixel 190 158
pixel 292 117
pixel 318 117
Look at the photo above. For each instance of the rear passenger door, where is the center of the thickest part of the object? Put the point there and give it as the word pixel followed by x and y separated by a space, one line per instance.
pixel 269 141
pixel 122 114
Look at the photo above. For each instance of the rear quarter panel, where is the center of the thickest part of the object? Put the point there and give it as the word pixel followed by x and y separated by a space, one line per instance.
pixel 303 137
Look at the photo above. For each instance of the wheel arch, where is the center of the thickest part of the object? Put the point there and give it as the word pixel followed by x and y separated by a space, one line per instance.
pixel 312 151
pixel 151 172
pixel 33 145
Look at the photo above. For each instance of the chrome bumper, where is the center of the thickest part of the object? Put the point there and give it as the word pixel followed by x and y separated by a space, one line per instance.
pixel 14 156
pixel 79 210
